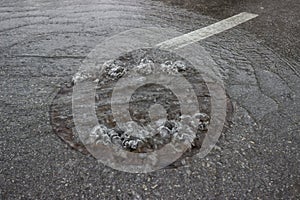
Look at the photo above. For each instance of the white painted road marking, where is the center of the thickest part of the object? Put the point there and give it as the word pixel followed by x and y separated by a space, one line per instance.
pixel 203 33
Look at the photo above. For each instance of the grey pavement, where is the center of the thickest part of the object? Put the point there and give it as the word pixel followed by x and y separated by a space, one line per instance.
pixel 42 44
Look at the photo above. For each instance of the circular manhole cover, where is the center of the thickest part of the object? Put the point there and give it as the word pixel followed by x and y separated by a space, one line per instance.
pixel 154 107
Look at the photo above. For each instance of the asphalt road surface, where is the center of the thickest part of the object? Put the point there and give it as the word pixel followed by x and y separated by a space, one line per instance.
pixel 42 44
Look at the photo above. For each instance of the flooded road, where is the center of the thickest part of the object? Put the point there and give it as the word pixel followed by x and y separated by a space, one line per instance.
pixel 42 46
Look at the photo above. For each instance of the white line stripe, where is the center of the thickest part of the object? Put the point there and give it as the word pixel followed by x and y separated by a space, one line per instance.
pixel 206 32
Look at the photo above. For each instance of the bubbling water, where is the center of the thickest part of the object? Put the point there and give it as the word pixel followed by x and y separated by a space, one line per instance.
pixel 146 139
pixel 138 137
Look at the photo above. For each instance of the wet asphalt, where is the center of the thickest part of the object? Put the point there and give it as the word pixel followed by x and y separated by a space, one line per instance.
pixel 42 44
pixel 277 24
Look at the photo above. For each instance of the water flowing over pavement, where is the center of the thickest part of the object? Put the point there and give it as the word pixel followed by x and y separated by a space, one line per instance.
pixel 277 24
pixel 42 45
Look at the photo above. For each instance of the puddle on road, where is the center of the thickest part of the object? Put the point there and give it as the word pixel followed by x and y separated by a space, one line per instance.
pixel 140 137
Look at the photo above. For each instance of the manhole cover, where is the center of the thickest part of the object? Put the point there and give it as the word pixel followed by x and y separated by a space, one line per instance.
pixel 150 103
